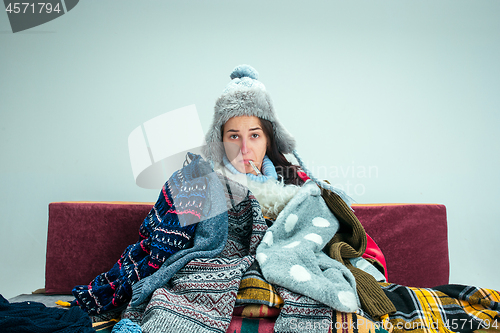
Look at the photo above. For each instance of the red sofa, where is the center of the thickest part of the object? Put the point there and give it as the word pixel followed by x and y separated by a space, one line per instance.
pixel 87 238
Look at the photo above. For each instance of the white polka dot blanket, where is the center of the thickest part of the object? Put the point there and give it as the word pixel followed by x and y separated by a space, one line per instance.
pixel 290 254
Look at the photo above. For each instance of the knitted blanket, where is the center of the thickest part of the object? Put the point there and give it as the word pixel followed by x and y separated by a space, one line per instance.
pixel 350 242
pixel 201 296
pixel 192 195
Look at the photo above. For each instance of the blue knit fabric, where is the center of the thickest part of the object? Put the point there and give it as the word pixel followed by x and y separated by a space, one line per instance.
pixel 126 326
pixel 168 228
pixel 36 317
pixel 268 170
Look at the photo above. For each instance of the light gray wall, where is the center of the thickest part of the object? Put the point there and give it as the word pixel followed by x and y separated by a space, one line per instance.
pixel 406 90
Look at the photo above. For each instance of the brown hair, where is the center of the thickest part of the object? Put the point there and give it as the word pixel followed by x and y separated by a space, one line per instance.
pixel 283 167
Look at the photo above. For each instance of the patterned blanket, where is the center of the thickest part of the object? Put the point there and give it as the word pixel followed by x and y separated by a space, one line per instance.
pixel 207 291
pixel 201 296
pixel 255 290
pixel 167 229
pixel 448 308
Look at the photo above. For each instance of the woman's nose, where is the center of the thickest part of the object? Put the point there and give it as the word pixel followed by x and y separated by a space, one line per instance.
pixel 244 147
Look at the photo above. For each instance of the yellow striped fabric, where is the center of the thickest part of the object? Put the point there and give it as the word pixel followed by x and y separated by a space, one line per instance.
pixel 257 291
pixel 449 308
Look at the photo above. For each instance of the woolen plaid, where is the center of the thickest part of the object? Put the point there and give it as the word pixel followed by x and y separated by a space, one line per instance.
pixel 447 308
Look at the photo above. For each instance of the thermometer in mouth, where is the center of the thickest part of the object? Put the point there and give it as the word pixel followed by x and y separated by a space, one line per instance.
pixel 255 168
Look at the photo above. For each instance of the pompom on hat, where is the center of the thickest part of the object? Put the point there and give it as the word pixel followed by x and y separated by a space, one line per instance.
pixel 245 95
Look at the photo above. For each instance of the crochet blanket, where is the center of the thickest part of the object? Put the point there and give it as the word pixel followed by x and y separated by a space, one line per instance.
pixel 192 195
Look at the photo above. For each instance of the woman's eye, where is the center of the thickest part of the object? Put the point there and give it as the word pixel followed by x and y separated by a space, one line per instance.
pixel 255 135
pixel 234 136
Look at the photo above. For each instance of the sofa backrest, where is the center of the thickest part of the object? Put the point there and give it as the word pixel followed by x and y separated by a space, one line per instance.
pixel 87 238
pixel 413 239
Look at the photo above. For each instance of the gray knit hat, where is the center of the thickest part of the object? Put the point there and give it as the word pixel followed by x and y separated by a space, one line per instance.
pixel 244 96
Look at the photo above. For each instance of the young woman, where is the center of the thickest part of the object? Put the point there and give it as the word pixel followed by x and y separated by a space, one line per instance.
pixel 246 138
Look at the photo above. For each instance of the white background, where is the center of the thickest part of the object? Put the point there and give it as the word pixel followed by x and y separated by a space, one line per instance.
pixel 404 93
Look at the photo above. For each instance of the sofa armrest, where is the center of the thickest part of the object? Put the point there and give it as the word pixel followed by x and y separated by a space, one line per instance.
pixel 413 239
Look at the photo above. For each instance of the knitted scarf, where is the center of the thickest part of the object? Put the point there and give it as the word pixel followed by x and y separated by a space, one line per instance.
pixel 268 170
pixel 350 242
pixel 294 243
pixel 168 228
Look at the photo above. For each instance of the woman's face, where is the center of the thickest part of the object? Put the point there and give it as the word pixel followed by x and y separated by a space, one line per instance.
pixel 244 141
